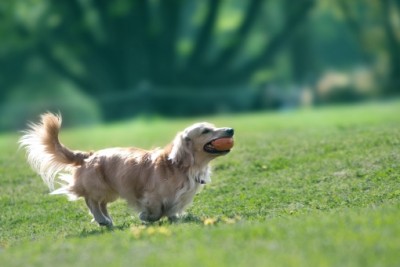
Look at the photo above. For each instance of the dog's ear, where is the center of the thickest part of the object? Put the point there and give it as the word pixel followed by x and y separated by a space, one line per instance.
pixel 181 152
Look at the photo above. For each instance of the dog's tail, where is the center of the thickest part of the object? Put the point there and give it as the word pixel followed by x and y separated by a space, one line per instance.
pixel 46 155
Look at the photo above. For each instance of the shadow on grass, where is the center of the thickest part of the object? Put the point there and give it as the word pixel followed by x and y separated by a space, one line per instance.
pixel 190 218
pixel 100 230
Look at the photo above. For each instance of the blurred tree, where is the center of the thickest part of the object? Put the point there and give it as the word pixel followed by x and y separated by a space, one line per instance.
pixel 375 24
pixel 300 52
pixel 13 50
pixel 132 46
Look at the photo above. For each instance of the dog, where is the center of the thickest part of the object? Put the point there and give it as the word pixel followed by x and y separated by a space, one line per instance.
pixel 158 183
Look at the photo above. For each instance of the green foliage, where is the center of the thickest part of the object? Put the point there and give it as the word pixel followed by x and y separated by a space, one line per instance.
pixel 133 57
pixel 125 53
pixel 27 103
pixel 311 188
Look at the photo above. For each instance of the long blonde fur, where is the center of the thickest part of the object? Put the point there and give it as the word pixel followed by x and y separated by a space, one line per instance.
pixel 46 155
pixel 159 182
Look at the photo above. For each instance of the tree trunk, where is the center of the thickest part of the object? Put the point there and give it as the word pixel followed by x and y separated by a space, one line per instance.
pixel 393 45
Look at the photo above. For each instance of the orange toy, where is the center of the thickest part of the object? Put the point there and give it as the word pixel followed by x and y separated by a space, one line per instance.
pixel 223 144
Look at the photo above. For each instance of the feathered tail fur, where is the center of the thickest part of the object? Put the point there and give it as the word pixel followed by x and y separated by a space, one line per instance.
pixel 46 155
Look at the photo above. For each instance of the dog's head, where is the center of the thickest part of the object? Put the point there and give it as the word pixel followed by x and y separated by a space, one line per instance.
pixel 200 143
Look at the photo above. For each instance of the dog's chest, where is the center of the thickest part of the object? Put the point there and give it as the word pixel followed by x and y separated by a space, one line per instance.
pixel 183 197
pixel 187 193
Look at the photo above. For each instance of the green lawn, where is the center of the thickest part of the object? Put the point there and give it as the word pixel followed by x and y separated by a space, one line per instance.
pixel 307 188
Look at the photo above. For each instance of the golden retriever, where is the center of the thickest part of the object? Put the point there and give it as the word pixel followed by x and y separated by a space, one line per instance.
pixel 157 183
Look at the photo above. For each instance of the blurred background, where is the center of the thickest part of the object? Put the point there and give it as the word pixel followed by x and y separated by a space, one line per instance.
pixel 99 60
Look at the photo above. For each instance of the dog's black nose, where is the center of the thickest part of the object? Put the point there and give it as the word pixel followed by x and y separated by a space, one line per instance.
pixel 230 131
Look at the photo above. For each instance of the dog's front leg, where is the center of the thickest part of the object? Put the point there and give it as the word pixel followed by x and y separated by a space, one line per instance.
pixel 173 218
pixel 145 216
pixel 151 213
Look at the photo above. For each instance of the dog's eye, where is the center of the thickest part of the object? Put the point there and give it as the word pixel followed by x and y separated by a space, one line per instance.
pixel 206 131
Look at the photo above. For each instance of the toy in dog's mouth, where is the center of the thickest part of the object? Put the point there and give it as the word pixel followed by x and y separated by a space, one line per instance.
pixel 219 146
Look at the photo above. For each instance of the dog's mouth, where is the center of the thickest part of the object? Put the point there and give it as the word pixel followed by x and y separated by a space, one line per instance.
pixel 220 145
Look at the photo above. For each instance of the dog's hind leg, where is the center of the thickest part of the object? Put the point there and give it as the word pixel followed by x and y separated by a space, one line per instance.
pixel 103 208
pixel 96 210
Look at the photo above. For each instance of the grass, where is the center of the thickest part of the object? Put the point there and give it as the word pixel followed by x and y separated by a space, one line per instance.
pixel 308 188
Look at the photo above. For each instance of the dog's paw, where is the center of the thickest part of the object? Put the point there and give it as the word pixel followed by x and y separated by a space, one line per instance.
pixel 106 222
pixel 173 218
pixel 146 217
